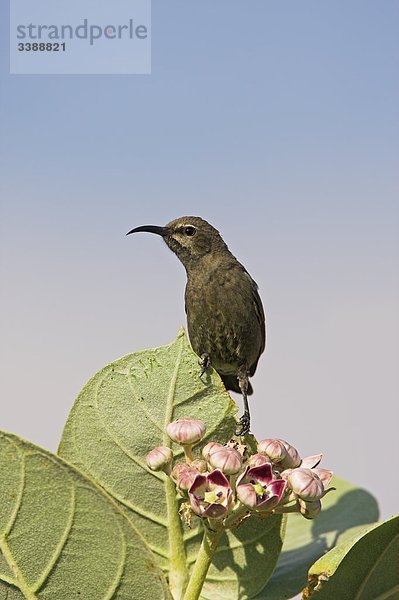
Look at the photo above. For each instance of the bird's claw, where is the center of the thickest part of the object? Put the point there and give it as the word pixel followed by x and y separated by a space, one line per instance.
pixel 243 424
pixel 204 363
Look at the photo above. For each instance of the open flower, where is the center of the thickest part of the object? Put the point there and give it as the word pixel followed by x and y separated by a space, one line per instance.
pixel 210 495
pixel 228 460
pixel 186 431
pixel 257 489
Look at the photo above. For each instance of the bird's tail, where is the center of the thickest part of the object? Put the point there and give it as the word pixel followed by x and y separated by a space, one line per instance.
pixel 231 383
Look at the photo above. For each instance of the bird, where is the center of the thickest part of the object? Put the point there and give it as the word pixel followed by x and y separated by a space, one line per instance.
pixel 225 316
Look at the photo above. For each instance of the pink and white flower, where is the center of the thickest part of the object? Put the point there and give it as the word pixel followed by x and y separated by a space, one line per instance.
pixel 258 490
pixel 210 495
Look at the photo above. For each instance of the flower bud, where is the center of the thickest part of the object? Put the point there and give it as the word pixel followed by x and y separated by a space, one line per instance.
pixel 209 448
pixel 177 470
pixel 292 459
pixel 159 458
pixel 200 465
pixel 186 478
pixel 258 459
pixel 186 431
pixel 306 484
pixel 227 460
pixel 310 510
pixel 285 474
pixel 274 449
pixel 183 475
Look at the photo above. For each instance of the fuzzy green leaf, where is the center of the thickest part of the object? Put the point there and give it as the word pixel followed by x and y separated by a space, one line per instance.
pixel 120 415
pixel 364 567
pixel 305 541
pixel 62 537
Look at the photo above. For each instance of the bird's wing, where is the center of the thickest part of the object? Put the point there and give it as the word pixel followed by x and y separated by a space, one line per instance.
pixel 260 314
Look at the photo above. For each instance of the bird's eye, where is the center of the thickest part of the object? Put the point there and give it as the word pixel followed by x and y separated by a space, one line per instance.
pixel 190 230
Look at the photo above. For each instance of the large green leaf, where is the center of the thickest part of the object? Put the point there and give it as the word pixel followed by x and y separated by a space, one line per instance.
pixel 245 561
pixel 120 415
pixel 306 541
pixel 365 567
pixel 62 537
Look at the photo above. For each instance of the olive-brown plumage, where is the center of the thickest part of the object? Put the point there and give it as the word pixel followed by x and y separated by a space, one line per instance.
pixel 226 322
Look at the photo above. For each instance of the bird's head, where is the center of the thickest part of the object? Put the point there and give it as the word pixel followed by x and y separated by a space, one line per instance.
pixel 190 238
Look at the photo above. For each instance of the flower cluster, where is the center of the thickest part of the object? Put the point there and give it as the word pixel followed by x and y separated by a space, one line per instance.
pixel 229 484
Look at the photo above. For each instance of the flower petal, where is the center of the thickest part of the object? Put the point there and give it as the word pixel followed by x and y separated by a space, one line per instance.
pixel 247 495
pixel 263 473
pixel 196 505
pixel 243 478
pixel 324 474
pixel 268 504
pixel 198 484
pixel 311 461
pixel 277 488
pixel 215 510
pixel 217 478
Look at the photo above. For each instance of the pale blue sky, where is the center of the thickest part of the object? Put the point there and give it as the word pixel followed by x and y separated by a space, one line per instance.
pixel 275 121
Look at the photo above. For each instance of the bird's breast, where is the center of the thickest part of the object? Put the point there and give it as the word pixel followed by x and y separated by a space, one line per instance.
pixel 222 321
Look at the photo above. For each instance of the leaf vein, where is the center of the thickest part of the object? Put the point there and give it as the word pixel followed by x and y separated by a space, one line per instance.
pixel 171 395
pixel 20 579
pixel 140 511
pixel 374 566
pixel 118 577
pixel 58 550
pixel 143 406
pixel 121 446
pixel 21 490
pixel 8 580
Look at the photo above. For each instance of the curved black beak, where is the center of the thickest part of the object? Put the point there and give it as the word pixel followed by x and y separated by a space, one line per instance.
pixel 149 229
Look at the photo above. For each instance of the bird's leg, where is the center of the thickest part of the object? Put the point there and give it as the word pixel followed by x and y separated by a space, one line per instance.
pixel 245 421
pixel 204 363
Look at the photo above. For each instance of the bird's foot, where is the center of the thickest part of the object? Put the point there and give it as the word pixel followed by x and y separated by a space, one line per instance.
pixel 244 424
pixel 204 363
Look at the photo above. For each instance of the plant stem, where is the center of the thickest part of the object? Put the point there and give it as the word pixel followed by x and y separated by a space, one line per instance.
pixel 287 509
pixel 188 454
pixel 178 572
pixel 209 544
pixel 238 512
